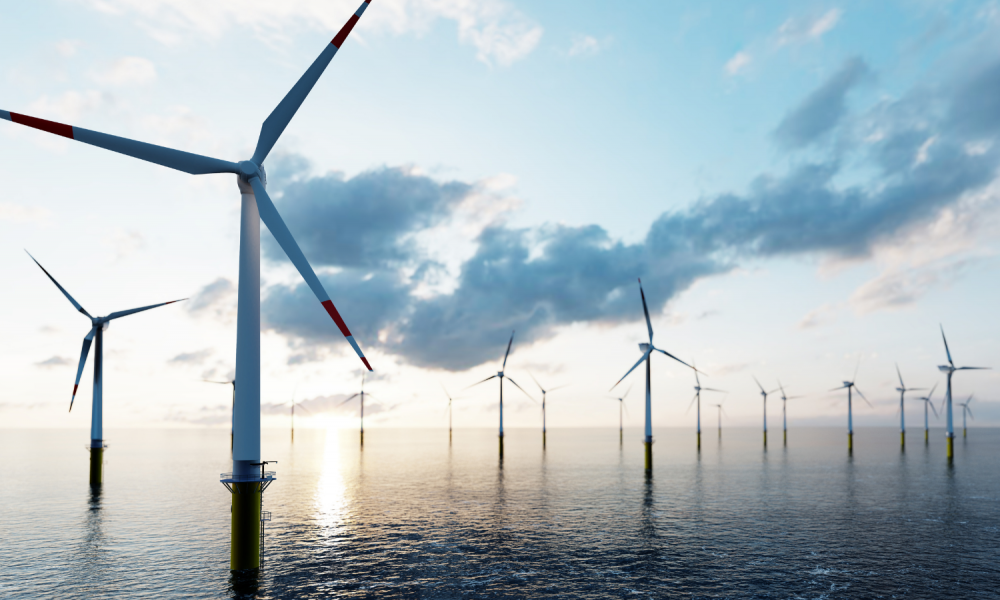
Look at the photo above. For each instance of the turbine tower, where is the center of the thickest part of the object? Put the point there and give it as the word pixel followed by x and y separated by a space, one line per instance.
pixel 449 411
pixel 966 409
pixel 721 411
pixel 621 405
pixel 232 409
pixel 544 392
pixel 949 369
pixel 849 385
pixel 98 326
pixel 647 350
pixel 697 399
pixel 902 389
pixel 928 403
pixel 763 394
pixel 501 376
pixel 248 479
pixel 784 412
pixel 360 394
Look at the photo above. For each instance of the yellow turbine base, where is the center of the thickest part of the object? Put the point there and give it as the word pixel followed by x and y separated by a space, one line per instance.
pixel 902 439
pixel 850 443
pixel 501 446
pixel 926 437
pixel 649 455
pixel 963 432
pixel 784 437
pixel 951 448
pixel 699 440
pixel 543 440
pixel 96 466
pixel 245 546
pixel 765 439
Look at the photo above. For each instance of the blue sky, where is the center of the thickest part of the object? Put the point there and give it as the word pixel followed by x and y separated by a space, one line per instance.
pixel 799 185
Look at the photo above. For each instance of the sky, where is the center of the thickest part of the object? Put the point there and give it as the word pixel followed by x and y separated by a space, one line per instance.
pixel 807 190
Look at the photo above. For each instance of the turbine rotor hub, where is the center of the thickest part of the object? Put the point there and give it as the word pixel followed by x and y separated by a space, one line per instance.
pixel 500 374
pixel 249 169
pixel 644 347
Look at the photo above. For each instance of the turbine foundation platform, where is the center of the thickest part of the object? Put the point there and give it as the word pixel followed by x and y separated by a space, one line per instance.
pixel 96 449
pixel 247 517
pixel 649 454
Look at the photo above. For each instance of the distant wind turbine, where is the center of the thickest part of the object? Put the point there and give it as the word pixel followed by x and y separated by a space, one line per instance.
pixel 928 403
pixel 647 350
pixel 849 386
pixel 293 403
pixel 902 389
pixel 784 411
pixel 449 410
pixel 544 392
pixel 763 394
pixel 98 326
pixel 721 411
pixel 697 399
pixel 621 405
pixel 501 376
pixel 966 409
pixel 360 394
pixel 950 369
pixel 232 407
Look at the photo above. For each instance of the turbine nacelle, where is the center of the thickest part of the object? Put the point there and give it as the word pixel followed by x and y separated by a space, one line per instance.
pixel 500 374
pixel 644 347
pixel 946 368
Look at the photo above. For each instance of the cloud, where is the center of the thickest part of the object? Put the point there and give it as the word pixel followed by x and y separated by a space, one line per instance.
pixel 216 299
pixel 818 316
pixel 586 45
pixel 17 213
pixel 800 30
pixel 55 361
pixel 70 106
pixel 738 62
pixel 130 70
pixel 821 110
pixel 196 358
pixel 499 32
pixel 902 287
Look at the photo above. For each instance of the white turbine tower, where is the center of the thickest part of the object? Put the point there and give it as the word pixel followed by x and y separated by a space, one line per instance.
pixel 763 394
pixel 849 385
pixel 544 392
pixel 246 482
pixel 98 326
pixel 784 412
pixel 966 409
pixel 949 369
pixel 697 399
pixel 647 350
pixel 501 376
pixel 621 405
pixel 928 403
pixel 902 389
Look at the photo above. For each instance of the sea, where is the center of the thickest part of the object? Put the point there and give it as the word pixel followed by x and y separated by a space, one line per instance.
pixel 412 514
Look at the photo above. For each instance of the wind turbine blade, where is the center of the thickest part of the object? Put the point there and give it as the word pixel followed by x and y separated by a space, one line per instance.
pixel 645 311
pixel 970 412
pixel 194 164
pixel 931 392
pixel 675 358
pixel 220 382
pixel 61 288
pixel 774 390
pixel 83 360
pixel 782 388
pixel 445 391
pixel 536 382
pixel 934 410
pixel 559 387
pixel 693 398
pixel 946 350
pixel 349 399
pixel 521 388
pixel 627 391
pixel 279 118
pixel 758 384
pixel 269 214
pixel 644 356
pixel 625 406
pixel 132 311
pixel 507 353
pixel 973 368
pixel 900 375
pixel 838 388
pixel 713 390
pixel 697 381
pixel 862 396
pixel 478 382
pixel 303 407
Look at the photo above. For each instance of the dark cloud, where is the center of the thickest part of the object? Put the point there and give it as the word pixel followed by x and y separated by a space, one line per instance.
pixel 535 280
pixel 821 110
pixel 214 297
pixel 55 361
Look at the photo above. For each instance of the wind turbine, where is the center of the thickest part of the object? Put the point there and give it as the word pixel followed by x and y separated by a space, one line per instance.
pixel 621 405
pixel 293 403
pixel 232 410
pixel 763 395
pixel 949 369
pixel 849 385
pixel 928 403
pixel 98 326
pixel 902 389
pixel 500 375
pixel 246 482
pixel 647 350
pixel 784 411
pixel 721 410
pixel 544 392
pixel 966 409
pixel 450 399
pixel 360 394
pixel 697 398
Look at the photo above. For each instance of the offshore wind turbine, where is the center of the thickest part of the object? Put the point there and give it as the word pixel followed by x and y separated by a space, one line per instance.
pixel 849 385
pixel 293 403
pixel 501 376
pixel 98 326
pixel 763 395
pixel 360 394
pixel 621 405
pixel 246 482
pixel 232 409
pixel 721 411
pixel 966 409
pixel 647 349
pixel 784 411
pixel 902 389
pixel 928 403
pixel 544 392
pixel 450 399
pixel 697 398
pixel 949 369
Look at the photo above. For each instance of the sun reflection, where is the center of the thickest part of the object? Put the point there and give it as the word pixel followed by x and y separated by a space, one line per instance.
pixel 331 492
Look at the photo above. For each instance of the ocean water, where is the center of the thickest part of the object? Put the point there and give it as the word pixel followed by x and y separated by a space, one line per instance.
pixel 412 516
